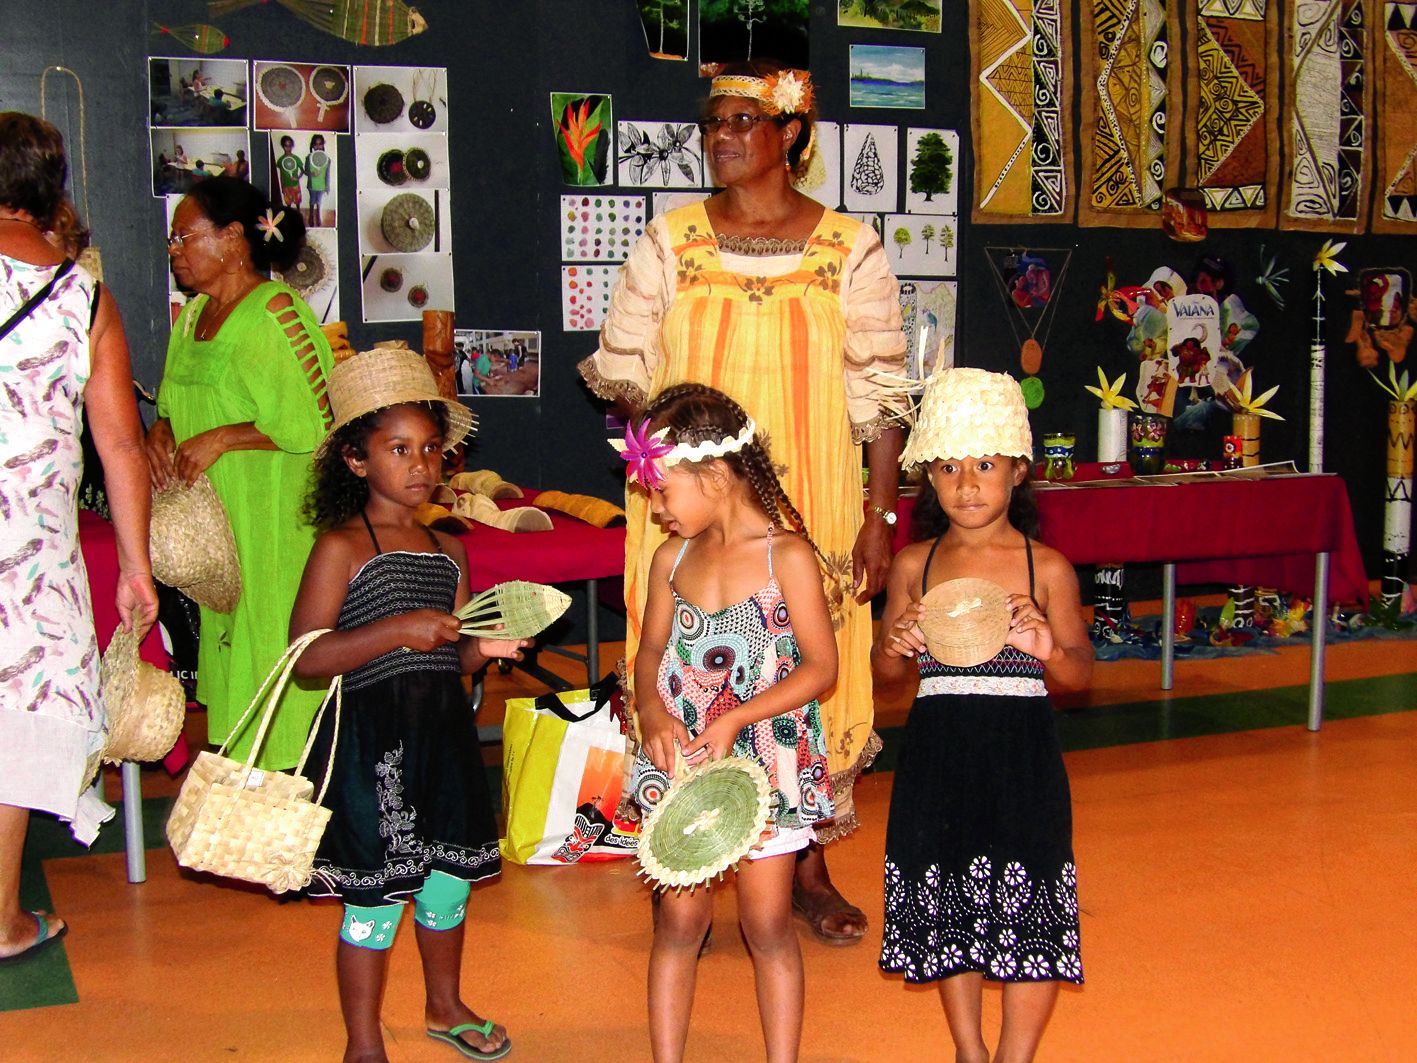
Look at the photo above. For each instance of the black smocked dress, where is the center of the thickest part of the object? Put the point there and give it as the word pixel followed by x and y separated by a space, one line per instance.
pixel 979 855
pixel 408 791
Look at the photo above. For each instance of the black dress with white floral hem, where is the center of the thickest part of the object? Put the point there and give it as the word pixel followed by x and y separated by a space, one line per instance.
pixel 408 791
pixel 979 860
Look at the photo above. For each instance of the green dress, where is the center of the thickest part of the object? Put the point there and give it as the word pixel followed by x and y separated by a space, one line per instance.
pixel 254 370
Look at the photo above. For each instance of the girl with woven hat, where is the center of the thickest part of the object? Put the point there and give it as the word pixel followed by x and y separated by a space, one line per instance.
pixel 736 647
pixel 980 881
pixel 411 815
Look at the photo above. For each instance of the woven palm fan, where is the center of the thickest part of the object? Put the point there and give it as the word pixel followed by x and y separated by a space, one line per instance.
pixel 705 823
pixel 407 222
pixel 330 87
pixel 513 610
pixel 965 621
pixel 281 88
pixel 307 272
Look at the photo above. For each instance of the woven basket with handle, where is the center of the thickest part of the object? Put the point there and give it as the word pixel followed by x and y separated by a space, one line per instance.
pixel 241 822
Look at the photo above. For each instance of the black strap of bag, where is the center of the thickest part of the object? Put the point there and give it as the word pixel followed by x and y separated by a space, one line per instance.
pixel 600 695
pixel 35 299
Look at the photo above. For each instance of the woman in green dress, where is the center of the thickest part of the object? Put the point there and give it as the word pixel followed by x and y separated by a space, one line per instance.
pixel 243 400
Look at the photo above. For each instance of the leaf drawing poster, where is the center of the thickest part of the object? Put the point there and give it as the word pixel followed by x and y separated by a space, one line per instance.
pixel 660 155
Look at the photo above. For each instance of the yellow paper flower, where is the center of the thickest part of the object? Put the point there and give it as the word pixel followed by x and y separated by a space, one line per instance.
pixel 1240 399
pixel 1327 258
pixel 1398 387
pixel 1111 394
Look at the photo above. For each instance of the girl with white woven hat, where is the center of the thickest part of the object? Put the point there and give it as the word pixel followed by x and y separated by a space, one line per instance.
pixel 410 811
pixel 980 880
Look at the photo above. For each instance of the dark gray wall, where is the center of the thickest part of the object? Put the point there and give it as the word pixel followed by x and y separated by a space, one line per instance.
pixel 504 59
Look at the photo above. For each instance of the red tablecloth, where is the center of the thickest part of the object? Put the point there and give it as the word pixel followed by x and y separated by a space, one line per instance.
pixel 1263 532
pixel 571 551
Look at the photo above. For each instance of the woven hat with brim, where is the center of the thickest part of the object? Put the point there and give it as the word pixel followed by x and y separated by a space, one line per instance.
pixel 192 546
pixel 965 621
pixel 969 413
pixel 384 377
pixel 145 705
pixel 705 823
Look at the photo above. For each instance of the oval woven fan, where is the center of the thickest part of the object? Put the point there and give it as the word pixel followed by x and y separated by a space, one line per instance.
pixel 407 222
pixel 965 621
pixel 705 823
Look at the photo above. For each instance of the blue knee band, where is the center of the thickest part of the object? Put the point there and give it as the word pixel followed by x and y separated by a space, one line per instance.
pixel 442 902
pixel 370 928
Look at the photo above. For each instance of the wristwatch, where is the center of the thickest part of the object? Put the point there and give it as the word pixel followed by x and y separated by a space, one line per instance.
pixel 887 515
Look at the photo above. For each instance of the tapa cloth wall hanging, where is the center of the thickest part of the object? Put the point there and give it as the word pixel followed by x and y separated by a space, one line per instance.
pixel 1131 104
pixel 1395 205
pixel 1232 110
pixel 1021 89
pixel 1327 115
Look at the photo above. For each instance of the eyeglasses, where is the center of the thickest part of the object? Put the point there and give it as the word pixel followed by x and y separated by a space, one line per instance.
pixel 736 123
pixel 179 240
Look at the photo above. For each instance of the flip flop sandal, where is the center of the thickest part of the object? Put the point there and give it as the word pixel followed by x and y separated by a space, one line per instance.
pixel 41 942
pixel 454 1038
pixel 816 915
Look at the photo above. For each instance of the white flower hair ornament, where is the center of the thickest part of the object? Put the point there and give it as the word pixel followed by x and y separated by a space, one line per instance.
pixel 790 91
pixel 270 225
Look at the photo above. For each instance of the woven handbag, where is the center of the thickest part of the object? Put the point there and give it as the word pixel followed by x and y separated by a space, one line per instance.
pixel 238 821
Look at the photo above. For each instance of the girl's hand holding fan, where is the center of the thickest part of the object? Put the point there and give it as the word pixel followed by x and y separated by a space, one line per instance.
pixel 661 736
pixel 427 629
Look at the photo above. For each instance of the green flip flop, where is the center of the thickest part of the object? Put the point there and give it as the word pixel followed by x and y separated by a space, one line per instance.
pixel 43 939
pixel 454 1038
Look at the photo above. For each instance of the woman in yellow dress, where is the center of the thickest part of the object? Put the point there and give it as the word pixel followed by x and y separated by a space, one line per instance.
pixel 793 311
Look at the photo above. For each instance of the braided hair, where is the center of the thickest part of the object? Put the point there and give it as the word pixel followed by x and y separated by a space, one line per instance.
pixel 697 413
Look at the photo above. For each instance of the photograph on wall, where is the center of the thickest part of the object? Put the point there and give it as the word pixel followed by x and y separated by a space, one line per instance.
pixel 585 124
pixel 303 175
pixel 887 76
pixel 921 16
pixel 182 157
pixel 301 96
pixel 821 180
pixel 500 362
pixel 396 222
pixel 664 202
pixel 401 287
pixel 931 165
pixel 585 296
pixel 600 228
pixel 736 31
pixel 315 274
pixel 666 26
pixel 868 167
pixel 401 160
pixel 400 99
pixel 177 295
pixel 921 245
pixel 197 93
pixel 659 154
pixel 927 313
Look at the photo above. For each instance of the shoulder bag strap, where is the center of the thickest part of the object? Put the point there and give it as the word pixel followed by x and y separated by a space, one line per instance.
pixel 35 299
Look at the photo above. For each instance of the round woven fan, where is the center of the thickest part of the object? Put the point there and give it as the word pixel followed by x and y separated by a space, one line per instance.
pixel 330 87
pixel 706 822
pixel 308 271
pixel 418 164
pixel 383 104
pixel 965 621
pixel 392 167
pixel 407 222
pixel 418 296
pixel 281 88
pixel 391 280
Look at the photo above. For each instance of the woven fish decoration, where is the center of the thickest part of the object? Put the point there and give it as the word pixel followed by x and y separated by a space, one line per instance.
pixel 369 22
pixel 513 610
pixel 197 36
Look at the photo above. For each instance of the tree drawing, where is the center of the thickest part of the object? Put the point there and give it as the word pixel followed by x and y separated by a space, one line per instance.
pixel 902 239
pixel 946 236
pixel 867 176
pixel 932 169
pixel 671 16
pixel 748 12
pixel 927 233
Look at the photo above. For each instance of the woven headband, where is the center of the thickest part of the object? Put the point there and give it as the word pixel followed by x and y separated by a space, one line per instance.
pixel 645 452
pixel 786 92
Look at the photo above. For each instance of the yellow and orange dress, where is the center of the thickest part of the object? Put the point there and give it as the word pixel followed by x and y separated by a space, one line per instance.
pixel 797 334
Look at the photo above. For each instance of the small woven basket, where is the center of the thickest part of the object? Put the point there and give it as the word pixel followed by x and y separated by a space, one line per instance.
pixel 235 820
pixel 705 823
pixel 965 621
pixel 145 705
pixel 192 546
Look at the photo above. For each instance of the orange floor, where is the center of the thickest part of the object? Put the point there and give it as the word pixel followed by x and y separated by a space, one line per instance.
pixel 1245 897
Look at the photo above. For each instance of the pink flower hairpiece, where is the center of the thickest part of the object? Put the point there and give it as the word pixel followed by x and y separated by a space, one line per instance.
pixel 642 450
pixel 270 225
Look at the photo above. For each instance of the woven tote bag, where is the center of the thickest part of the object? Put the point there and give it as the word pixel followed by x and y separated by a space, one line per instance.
pixel 238 821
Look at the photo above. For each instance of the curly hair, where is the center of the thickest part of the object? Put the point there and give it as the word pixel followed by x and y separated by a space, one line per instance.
pixel 929 519
pixel 336 493
pixel 697 413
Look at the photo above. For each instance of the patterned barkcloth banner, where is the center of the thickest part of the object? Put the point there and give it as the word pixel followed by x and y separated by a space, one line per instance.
pixel 1327 115
pixel 1232 110
pixel 1131 92
pixel 1021 88
pixel 1395 205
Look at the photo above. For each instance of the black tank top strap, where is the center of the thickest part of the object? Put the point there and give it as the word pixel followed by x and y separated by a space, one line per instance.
pixel 1028 554
pixel 372 537
pixel 925 573
pixel 437 546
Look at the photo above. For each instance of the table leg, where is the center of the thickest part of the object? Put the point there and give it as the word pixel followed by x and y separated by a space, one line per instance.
pixel 1168 626
pixel 592 628
pixel 133 822
pixel 1318 624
